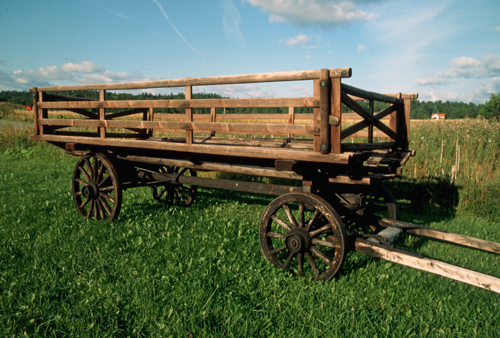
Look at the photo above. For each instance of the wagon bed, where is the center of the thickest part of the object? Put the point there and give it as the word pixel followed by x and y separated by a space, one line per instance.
pixel 332 148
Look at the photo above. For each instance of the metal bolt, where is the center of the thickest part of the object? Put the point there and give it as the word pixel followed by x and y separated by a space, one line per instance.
pixel 316 102
pixel 317 130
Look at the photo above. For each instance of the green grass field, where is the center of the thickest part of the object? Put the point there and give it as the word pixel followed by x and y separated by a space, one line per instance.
pixel 199 272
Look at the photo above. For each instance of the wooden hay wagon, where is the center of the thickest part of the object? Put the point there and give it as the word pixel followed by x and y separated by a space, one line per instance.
pixel 338 199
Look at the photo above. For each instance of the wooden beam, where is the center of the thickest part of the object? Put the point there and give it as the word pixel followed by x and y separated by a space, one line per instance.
pixel 336 115
pixel 369 95
pixel 237 151
pixel 194 103
pixel 316 112
pixel 366 115
pixel 209 166
pixel 126 113
pixel 220 127
pixel 206 81
pixel 445 236
pixel 34 92
pixel 430 265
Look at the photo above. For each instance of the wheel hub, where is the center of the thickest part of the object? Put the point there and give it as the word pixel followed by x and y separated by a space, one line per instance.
pixel 298 241
pixel 91 191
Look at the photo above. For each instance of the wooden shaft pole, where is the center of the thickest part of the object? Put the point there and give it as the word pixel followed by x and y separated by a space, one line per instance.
pixel 34 91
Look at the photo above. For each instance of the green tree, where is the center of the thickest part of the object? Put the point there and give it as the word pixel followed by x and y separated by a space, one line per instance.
pixel 491 109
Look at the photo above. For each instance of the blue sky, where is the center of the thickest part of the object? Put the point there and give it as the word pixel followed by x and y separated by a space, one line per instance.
pixel 442 49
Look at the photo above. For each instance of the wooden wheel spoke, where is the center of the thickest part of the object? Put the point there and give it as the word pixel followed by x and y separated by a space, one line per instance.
pixel 90 208
pixel 320 255
pixel 289 260
pixel 105 205
pixel 313 218
pixel 100 207
pixel 103 180
pixel 316 241
pixel 275 251
pixel 81 181
pixel 89 168
pixel 84 173
pixel 320 230
pixel 94 202
pixel 282 223
pixel 108 188
pixel 311 261
pixel 301 264
pixel 94 170
pixel 99 172
pixel 276 235
pixel 291 218
pixel 301 214
pixel 106 196
pixel 180 194
pixel 84 203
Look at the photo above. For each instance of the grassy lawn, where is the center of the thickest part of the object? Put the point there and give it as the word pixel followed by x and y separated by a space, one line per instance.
pixel 199 272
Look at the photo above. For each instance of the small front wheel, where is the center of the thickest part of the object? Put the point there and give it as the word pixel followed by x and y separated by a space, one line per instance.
pixel 96 189
pixel 175 194
pixel 303 233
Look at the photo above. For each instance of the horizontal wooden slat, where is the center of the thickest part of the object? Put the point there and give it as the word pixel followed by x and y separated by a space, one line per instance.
pixel 237 116
pixel 208 166
pixel 238 151
pixel 195 103
pixel 206 81
pixel 226 128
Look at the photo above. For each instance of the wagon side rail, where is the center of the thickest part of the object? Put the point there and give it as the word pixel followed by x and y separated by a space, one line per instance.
pixel 103 119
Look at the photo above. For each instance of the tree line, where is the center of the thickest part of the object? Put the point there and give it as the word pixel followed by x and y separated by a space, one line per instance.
pixel 419 109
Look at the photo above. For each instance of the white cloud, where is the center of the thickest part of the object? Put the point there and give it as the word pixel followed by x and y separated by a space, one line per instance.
pixel 466 68
pixel 82 72
pixel 322 12
pixel 362 48
pixel 465 62
pixel 305 41
pixel 231 19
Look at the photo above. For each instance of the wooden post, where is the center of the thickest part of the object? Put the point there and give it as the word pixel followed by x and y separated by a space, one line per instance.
pixel 213 118
pixel 370 127
pixel 336 116
pixel 44 115
pixel 317 140
pixel 102 113
pixel 151 118
pixel 189 115
pixel 291 118
pixel 406 134
pixel 34 91
pixel 393 122
pixel 324 103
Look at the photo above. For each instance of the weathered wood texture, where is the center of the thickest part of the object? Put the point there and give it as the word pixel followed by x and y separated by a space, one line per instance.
pixel 325 126
pixel 430 265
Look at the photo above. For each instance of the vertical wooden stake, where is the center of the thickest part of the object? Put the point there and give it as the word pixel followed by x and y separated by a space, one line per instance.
pixel 151 118
pixel 336 116
pixel 317 140
pixel 370 127
pixel 189 115
pixel 393 122
pixel 44 115
pixel 102 113
pixel 324 111
pixel 34 91
pixel 291 118
pixel 213 119
pixel 407 123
